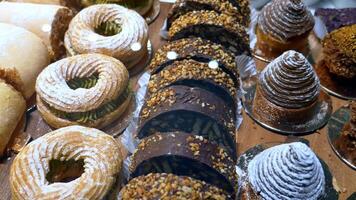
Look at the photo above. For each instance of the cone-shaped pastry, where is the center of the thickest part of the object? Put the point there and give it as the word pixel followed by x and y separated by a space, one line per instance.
pixel 209 25
pixel 49 22
pixel 283 25
pixel 111 30
pixel 287 90
pixel 339 49
pixel 71 163
pixel 236 8
pixel 91 90
pixel 287 171
pixel 157 186
pixel 12 107
pixel 23 56
pixel 185 155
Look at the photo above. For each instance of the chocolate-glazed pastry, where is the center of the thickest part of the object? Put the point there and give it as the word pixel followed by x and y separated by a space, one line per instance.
pixel 236 8
pixel 185 155
pixel 283 25
pixel 336 18
pixel 169 186
pixel 287 90
pixel 192 110
pixel 209 25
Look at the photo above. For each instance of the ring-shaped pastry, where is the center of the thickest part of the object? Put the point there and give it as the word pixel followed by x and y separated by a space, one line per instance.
pixel 56 156
pixel 111 30
pixel 89 89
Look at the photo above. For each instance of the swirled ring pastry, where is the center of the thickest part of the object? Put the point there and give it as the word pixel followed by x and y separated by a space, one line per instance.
pixel 111 30
pixel 87 156
pixel 91 90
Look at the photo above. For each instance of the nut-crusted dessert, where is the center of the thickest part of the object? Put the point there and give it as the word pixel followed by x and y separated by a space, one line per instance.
pixel 169 186
pixel 287 90
pixel 209 25
pixel 339 49
pixel 49 22
pixel 334 18
pixel 283 25
pixel 191 110
pixel 185 155
pixel 236 8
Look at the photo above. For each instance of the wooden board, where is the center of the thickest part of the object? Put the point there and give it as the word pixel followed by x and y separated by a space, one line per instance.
pixel 249 135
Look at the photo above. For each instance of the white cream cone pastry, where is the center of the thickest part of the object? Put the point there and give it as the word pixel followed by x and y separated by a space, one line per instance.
pixel 90 90
pixel 70 163
pixel 111 30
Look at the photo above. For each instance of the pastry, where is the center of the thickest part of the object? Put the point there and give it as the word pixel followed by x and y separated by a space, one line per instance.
pixel 12 108
pixel 111 30
pixel 23 56
pixel 49 22
pixel 238 9
pixel 336 18
pixel 286 171
pixel 168 186
pixel 91 90
pixel 209 25
pixel 70 163
pixel 339 49
pixel 190 109
pixel 283 25
pixel 287 90
pixel 185 155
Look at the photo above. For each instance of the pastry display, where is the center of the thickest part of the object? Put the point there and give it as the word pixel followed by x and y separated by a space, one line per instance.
pixel 89 89
pixel 283 25
pixel 111 30
pixel 189 109
pixel 49 22
pixel 238 9
pixel 185 155
pixel 169 186
pixel 12 108
pixel 287 90
pixel 334 18
pixel 74 162
pixel 209 25
pixel 23 55
pixel 286 171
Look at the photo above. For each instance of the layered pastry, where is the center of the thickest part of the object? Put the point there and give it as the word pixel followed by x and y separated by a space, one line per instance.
pixel 334 18
pixel 192 110
pixel 185 155
pixel 346 143
pixel 12 108
pixel 283 25
pixel 209 25
pixel 287 90
pixel 286 171
pixel 169 186
pixel 238 9
pixel 71 163
pixel 49 22
pixel 111 30
pixel 339 49
pixel 91 90
pixel 23 56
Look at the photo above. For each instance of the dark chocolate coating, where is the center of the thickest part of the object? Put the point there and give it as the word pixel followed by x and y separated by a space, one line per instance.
pixel 336 18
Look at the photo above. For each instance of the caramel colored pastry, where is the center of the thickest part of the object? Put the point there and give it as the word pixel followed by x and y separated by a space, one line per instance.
pixel 22 57
pixel 49 22
pixel 70 163
pixel 339 48
pixel 12 107
pixel 209 25
pixel 287 171
pixel 283 25
pixel 111 30
pixel 287 90
pixel 91 90
pixel 236 8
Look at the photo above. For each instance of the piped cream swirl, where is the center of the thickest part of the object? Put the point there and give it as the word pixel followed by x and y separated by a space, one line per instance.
pixel 290 81
pixel 284 19
pixel 287 171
